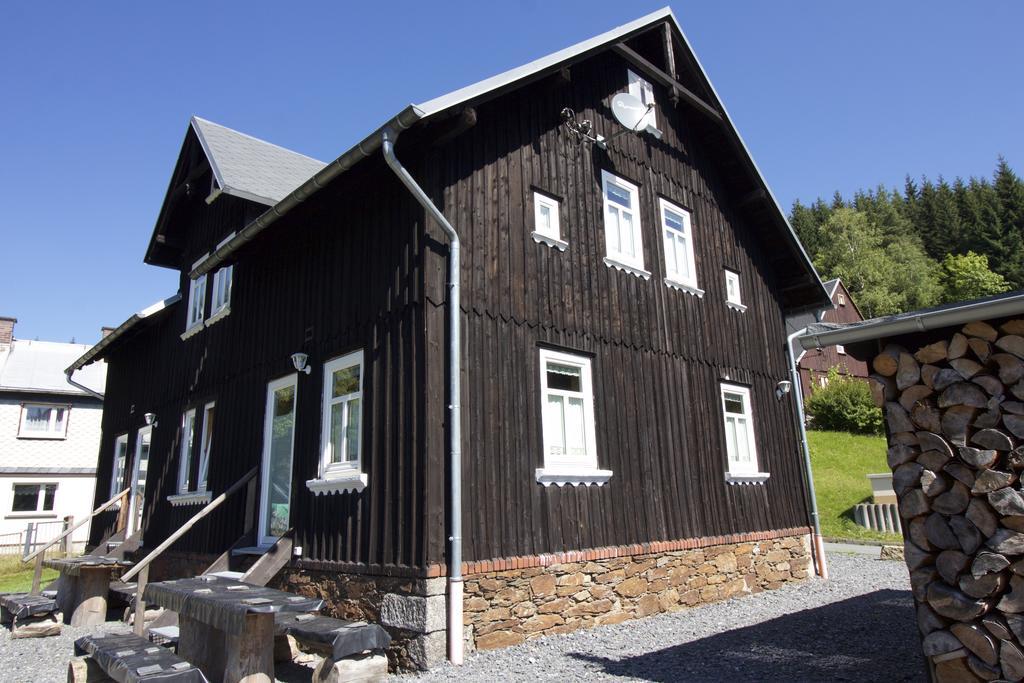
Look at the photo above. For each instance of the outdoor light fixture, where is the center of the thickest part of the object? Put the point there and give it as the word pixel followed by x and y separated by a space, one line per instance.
pixel 299 361
pixel 150 419
pixel 783 388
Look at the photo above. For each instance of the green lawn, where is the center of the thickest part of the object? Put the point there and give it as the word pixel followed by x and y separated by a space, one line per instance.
pixel 16 577
pixel 840 462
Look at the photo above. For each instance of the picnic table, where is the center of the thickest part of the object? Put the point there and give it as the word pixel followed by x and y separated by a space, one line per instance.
pixel 226 627
pixel 84 586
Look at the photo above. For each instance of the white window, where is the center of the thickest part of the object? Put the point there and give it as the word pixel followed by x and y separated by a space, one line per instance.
pixel 741 448
pixel 733 298
pixel 622 225
pixel 841 349
pixel 842 299
pixel 204 448
pixel 120 461
pixel 196 301
pixel 570 444
pixel 341 426
pixel 644 91
pixel 546 227
pixel 39 421
pixel 677 231
pixel 34 497
pixel 188 432
pixel 222 277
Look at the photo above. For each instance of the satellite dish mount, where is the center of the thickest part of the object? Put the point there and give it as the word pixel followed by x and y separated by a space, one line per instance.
pixel 628 110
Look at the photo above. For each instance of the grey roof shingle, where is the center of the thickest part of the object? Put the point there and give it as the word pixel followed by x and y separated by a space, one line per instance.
pixel 38 366
pixel 250 168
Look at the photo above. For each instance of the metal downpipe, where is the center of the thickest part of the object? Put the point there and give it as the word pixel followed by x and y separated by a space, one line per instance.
pixel 818 545
pixel 70 371
pixel 455 628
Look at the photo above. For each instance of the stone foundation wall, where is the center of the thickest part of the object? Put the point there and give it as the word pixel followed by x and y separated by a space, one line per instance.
pixel 508 607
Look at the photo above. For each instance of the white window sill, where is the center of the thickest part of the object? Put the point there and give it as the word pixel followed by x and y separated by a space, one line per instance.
pixel 219 315
pixel 746 478
pixel 574 477
pixel 192 330
pixel 190 498
pixel 31 515
pixel 627 268
pixel 50 437
pixel 558 244
pixel 338 483
pixel 683 287
pixel 735 306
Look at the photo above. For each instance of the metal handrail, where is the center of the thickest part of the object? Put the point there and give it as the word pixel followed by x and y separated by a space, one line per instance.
pixel 70 531
pixel 184 528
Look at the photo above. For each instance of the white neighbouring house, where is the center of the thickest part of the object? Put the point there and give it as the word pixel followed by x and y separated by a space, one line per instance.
pixel 49 437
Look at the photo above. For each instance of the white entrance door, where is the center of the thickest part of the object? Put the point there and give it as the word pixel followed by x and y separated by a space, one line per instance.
pixel 139 469
pixel 278 444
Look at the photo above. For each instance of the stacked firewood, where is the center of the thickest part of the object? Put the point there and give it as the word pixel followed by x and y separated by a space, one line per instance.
pixel 955 416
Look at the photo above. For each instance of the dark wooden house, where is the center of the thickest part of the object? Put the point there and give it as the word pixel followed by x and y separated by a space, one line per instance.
pixel 623 433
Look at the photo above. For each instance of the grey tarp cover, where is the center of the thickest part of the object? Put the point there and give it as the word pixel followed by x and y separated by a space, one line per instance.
pixel 22 605
pixel 346 638
pixel 129 658
pixel 223 603
pixel 72 566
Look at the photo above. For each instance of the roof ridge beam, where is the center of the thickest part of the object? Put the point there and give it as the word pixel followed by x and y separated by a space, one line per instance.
pixel 678 89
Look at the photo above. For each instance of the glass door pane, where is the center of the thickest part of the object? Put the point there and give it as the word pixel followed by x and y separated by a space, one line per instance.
pixel 278 442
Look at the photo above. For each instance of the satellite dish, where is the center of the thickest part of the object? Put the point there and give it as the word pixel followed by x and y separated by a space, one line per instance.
pixel 629 110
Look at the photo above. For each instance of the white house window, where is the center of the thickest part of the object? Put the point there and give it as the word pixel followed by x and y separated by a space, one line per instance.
pixel 570 444
pixel 733 298
pixel 188 432
pixel 222 280
pixel 842 299
pixel 841 349
pixel 34 497
pixel 43 421
pixel 622 225
pixel 642 89
pixel 341 424
pixel 740 444
pixel 196 303
pixel 204 448
pixel 677 233
pixel 546 227
pixel 120 460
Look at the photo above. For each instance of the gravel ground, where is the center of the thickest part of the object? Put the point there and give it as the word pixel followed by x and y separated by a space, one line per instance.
pixel 859 626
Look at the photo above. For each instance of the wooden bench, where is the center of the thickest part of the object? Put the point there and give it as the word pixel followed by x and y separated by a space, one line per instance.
pixel 352 650
pixel 30 616
pixel 128 658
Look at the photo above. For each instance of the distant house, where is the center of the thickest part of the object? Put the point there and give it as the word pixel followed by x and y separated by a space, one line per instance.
pixel 815 364
pixel 49 436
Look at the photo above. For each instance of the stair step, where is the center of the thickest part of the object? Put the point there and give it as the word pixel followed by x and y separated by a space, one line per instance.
pixel 237 576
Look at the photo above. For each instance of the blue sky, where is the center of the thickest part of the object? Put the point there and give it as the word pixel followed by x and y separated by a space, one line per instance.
pixel 95 98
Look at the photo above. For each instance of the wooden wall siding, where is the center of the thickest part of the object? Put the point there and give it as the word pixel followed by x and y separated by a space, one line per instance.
pixel 658 353
pixel 818 361
pixel 347 277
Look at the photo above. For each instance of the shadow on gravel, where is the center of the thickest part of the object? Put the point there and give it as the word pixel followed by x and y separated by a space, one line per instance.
pixel 872 637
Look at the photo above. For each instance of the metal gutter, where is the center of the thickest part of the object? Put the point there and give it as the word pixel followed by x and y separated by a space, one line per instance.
pixel 455 628
pixel 910 323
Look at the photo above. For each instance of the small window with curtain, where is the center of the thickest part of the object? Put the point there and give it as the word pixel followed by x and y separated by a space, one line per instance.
pixel 40 421
pixel 206 439
pixel 733 296
pixel 341 427
pixel 677 231
pixel 29 498
pixel 196 303
pixel 740 441
pixel 222 282
pixel 546 222
pixel 120 461
pixel 569 434
pixel 624 247
pixel 188 434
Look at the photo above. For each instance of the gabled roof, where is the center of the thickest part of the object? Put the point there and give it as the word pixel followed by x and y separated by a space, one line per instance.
pixel 251 168
pixel 831 285
pixel 38 367
pixel 803 290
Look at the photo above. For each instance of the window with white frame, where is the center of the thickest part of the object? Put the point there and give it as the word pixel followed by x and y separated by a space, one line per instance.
pixel 342 419
pixel 34 497
pixel 677 233
pixel 570 444
pixel 642 89
pixel 196 300
pixel 741 448
pixel 842 299
pixel 840 349
pixel 733 297
pixel 622 225
pixel 188 433
pixel 546 226
pixel 206 439
pixel 222 279
pixel 40 421
pixel 120 461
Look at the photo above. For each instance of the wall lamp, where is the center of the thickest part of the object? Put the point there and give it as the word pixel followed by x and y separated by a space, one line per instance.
pixel 299 360
pixel 150 419
pixel 783 388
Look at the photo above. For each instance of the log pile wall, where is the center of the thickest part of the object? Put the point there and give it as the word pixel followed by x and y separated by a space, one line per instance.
pixel 955 416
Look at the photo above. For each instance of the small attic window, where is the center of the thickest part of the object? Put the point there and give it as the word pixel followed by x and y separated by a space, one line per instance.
pixel 842 299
